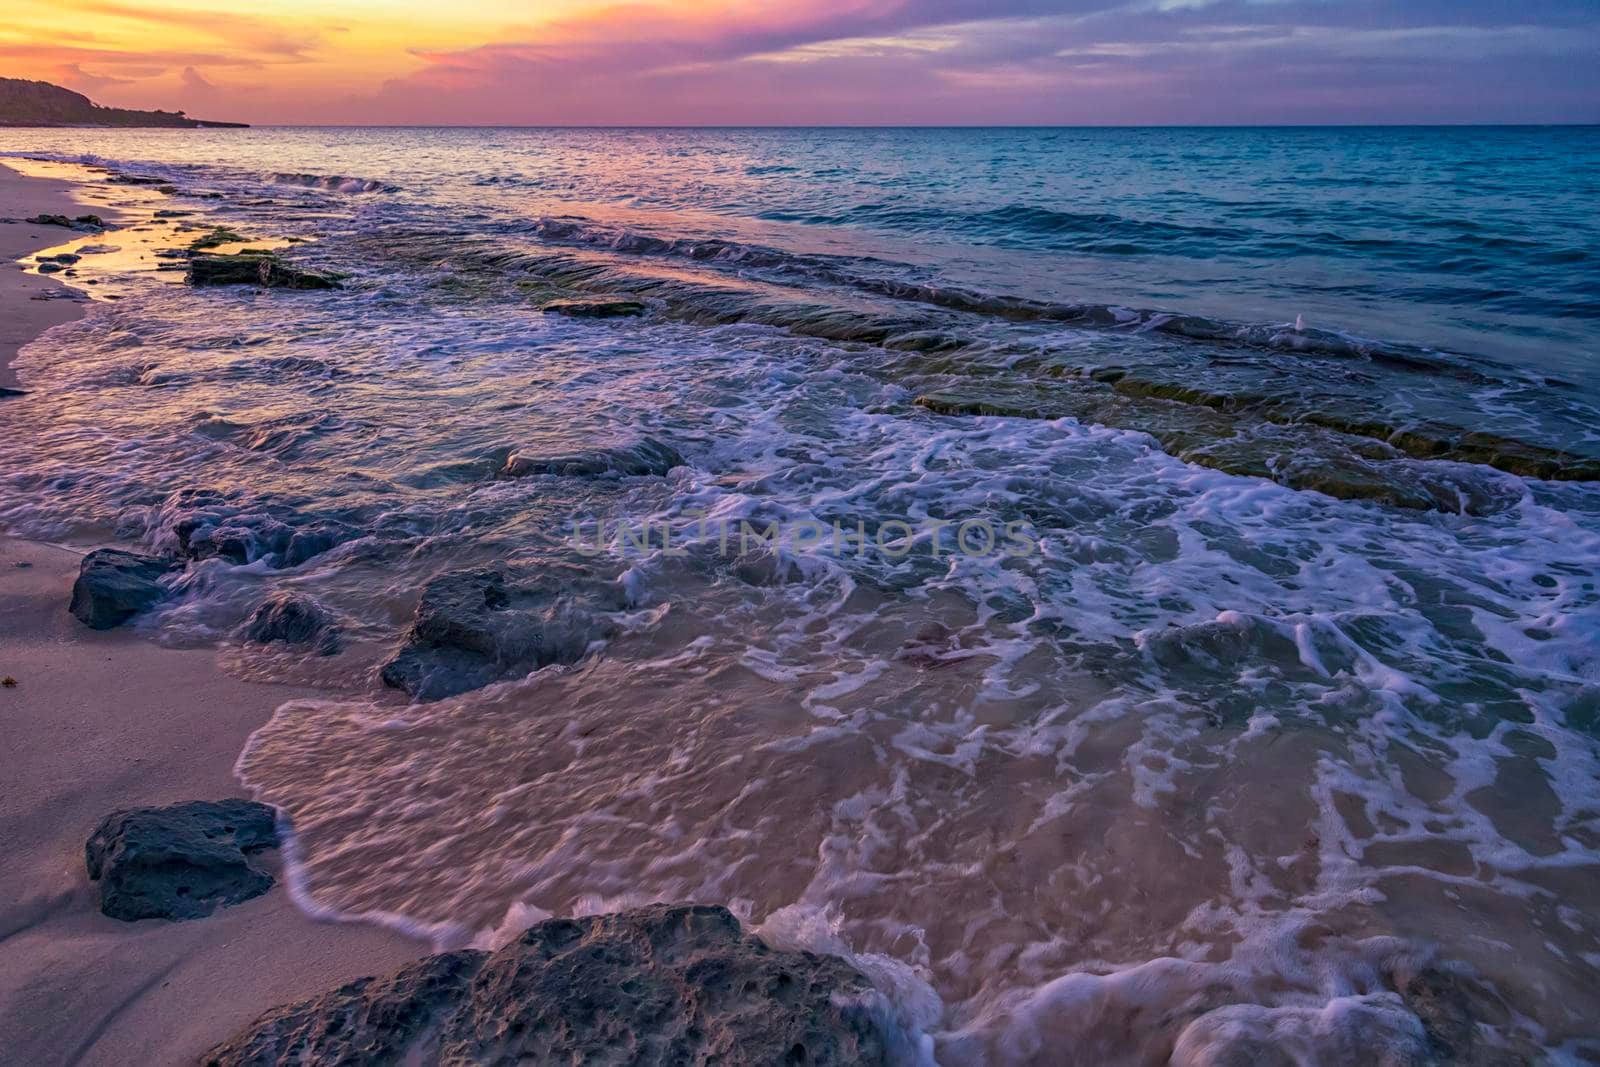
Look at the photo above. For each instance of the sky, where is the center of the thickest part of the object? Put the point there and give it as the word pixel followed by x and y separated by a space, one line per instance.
pixel 834 62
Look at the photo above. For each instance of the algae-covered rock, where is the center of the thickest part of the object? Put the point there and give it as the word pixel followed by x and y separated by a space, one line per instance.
pixel 256 268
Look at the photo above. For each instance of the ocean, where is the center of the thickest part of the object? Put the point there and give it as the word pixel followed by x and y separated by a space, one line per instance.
pixel 1134 591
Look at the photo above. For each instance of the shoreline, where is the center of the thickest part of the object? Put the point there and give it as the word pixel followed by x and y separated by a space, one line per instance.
pixel 105 720
pixel 30 303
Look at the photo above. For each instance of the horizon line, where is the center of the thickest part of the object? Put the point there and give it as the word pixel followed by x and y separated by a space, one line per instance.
pixel 1575 124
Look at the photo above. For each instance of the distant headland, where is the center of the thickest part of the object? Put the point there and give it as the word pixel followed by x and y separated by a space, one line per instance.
pixel 31 103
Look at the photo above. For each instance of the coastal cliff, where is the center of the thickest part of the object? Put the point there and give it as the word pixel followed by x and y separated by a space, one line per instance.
pixel 33 103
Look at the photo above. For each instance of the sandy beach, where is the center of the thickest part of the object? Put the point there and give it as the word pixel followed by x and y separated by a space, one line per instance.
pixel 101 721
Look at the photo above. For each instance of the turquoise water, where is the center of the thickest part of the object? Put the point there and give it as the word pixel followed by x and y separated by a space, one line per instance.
pixel 1282 733
pixel 1481 239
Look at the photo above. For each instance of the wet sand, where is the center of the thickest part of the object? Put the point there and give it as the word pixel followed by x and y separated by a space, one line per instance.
pixel 100 721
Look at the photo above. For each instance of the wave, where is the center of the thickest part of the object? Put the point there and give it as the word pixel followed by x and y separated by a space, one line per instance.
pixel 1351 418
pixel 870 276
pixel 331 182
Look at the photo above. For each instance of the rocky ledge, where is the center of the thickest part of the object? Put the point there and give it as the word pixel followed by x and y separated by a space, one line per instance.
pixel 181 862
pixel 662 985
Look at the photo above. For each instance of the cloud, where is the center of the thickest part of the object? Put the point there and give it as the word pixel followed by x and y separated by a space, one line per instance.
pixel 74 76
pixel 262 38
pixel 1080 61
pixel 852 61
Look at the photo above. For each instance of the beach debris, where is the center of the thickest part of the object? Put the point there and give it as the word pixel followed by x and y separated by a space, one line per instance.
pixel 480 626
pixel 595 307
pixel 9 682
pixel 661 985
pixel 180 862
pixel 256 268
pixel 646 456
pixel 113 586
pixel 293 619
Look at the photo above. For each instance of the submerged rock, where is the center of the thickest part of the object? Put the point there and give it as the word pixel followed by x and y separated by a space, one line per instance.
pixel 256 268
pixel 595 307
pixel 181 862
pixel 664 985
pixel 113 586
pixel 293 620
pixel 5 392
pixel 477 627
pixel 216 531
pixel 645 457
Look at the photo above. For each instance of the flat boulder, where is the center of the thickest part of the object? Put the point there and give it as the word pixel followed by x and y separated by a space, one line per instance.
pixel 475 627
pixel 595 307
pixel 180 862
pixel 113 586
pixel 639 458
pixel 659 986
pixel 256 268
pixel 292 619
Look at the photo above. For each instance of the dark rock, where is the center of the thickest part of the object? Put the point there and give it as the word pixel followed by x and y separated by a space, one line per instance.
pixel 595 308
pixel 662 986
pixel 4 392
pixel 312 541
pixel 113 586
pixel 50 268
pixel 64 257
pixel 256 268
pixel 293 620
pixel 51 220
pixel 239 541
pixel 218 532
pixel 477 627
pixel 644 457
pixel 181 862
pixel 90 220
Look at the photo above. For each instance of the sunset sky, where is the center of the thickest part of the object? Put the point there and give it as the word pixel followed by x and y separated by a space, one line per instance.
pixel 820 61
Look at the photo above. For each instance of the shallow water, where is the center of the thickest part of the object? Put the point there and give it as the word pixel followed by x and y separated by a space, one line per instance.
pixel 1207 761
